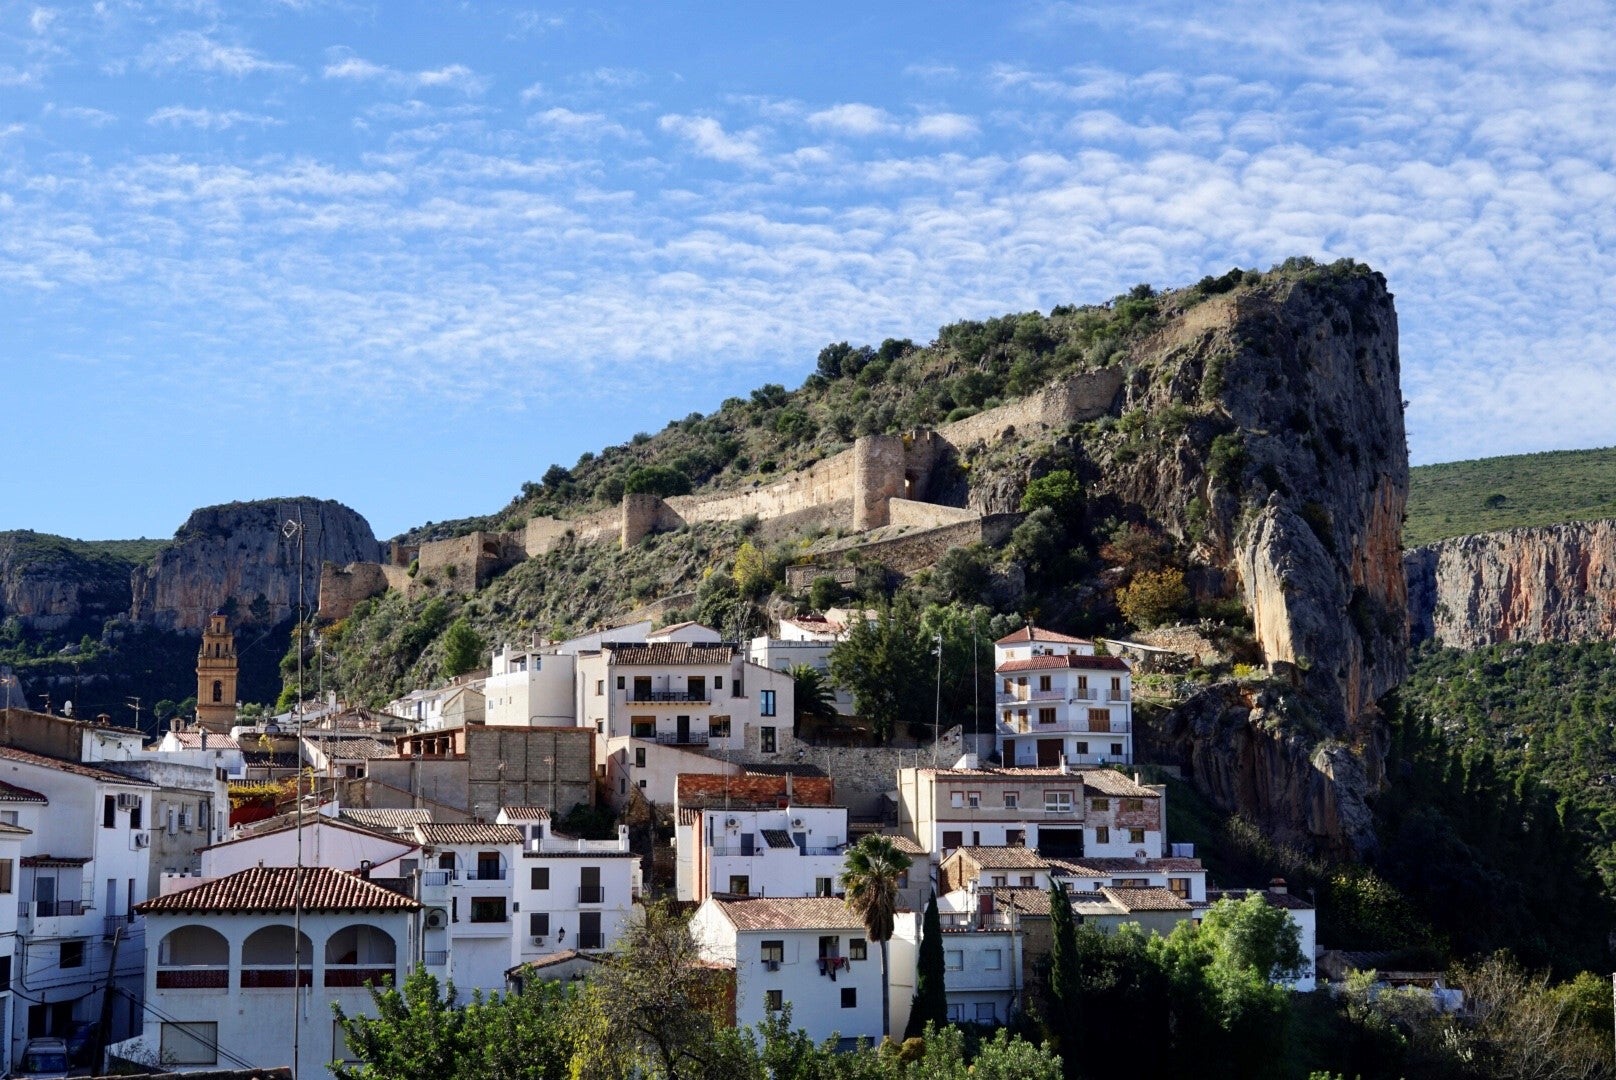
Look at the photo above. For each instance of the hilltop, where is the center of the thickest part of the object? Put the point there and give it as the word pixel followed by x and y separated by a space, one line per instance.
pixel 1461 498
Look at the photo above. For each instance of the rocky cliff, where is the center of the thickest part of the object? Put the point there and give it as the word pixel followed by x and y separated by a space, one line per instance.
pixel 1265 428
pixel 239 557
pixel 48 583
pixel 1552 583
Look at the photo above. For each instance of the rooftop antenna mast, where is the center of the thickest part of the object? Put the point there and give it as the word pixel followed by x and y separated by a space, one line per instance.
pixel 937 713
pixel 290 530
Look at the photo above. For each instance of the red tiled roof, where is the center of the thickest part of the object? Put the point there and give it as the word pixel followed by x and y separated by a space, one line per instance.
pixel 53 860
pixel 284 822
pixel 711 789
pixel 789 913
pixel 526 813
pixel 13 793
pixel 1082 663
pixel 280 888
pixel 1116 784
pixel 1028 634
pixel 1123 866
pixel 1003 858
pixel 192 740
pixel 1146 899
pixel 696 653
pixel 437 832
pixel 106 776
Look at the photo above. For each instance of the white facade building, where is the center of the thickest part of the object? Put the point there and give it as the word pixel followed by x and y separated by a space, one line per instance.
pixel 223 966
pixel 531 688
pixel 811 953
pixel 1059 702
pixel 761 851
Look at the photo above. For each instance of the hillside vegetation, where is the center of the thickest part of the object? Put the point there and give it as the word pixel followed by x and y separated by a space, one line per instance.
pixel 1459 498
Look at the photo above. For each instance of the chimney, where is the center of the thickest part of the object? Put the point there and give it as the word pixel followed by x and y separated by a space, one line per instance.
pixel 1278 886
pixel 204 738
pixel 1064 767
pixel 364 869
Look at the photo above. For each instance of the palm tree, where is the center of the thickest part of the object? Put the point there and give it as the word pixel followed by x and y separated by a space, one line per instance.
pixel 870 884
pixel 812 694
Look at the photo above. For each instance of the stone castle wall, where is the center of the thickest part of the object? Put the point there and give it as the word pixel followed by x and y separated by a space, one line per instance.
pixel 467 563
pixel 343 587
pixel 1082 397
pixel 924 515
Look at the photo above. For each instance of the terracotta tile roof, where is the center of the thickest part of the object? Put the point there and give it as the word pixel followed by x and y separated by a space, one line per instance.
pixel 1028 901
pixel 437 832
pixel 8 829
pixel 694 653
pixel 1028 634
pixel 1112 867
pixel 526 813
pixel 399 820
pixel 778 838
pixel 789 913
pixel 1146 899
pixel 1003 858
pixel 346 749
pixel 284 822
pixel 11 753
pixel 906 845
pixel 689 815
pixel 1082 663
pixel 192 740
pixel 552 959
pixel 753 789
pixel 13 793
pixel 53 860
pixel 1116 784
pixel 276 888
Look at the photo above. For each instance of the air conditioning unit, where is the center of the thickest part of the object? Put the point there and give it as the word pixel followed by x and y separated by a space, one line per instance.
pixel 771 965
pixel 538 939
pixel 185 819
pixel 142 840
pixel 436 918
pixel 128 800
pixel 797 823
pixel 732 823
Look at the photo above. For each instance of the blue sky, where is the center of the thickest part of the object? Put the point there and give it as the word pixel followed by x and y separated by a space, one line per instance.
pixel 408 255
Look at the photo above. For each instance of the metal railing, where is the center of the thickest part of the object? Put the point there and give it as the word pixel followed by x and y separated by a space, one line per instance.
pixel 591 894
pixel 488 873
pixel 194 977
pixel 435 958
pixel 651 697
pixel 592 941
pixel 278 977
pixel 357 975
pixel 45 909
pixel 689 738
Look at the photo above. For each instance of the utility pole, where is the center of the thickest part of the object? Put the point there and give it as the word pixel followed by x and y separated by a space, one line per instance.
pixel 134 703
pixel 937 712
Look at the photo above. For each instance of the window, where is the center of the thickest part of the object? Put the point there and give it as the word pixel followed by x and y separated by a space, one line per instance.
pixel 1000 880
pixel 1015 838
pixel 1180 887
pixel 1116 749
pixel 1082 748
pixel 539 878
pixel 1008 686
pixel 1102 805
pixel 1026 880
pixel 956 799
pixel 773 1000
pixel 986 1013
pixel 642 727
pixel 600 687
pixel 1134 805
pixel 5 973
pixel 903 879
pixel 193 1042
pixel 1012 799
pixel 134 815
pixel 5 875
pixel 1007 715
pixel 620 682
pixel 766 703
pixel 953 960
pixel 1102 834
pixel 487 909
pixel 992 959
pixel 218 690
pixel 956 1013
pixel 823 886
pixel 1043 682
pixel 973 799
pixel 740 884
pixel 72 954
pixel 109 812
pixel 1116 686
pixel 718 682
pixel 1099 719
pixel 953 840
pixel 774 952
pixel 488 868
pixel 8 816
pixel 1058 802
pixel 849 997
pixel 538 923
pixel 639 757
pixel 766 740
pixel 339 1046
pixel 1046 715
pixel 718 727
pixel 1136 836
pixel 858 949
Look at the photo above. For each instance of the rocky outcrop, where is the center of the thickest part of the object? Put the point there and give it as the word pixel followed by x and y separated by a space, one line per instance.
pixel 48 583
pixel 239 557
pixel 1550 583
pixel 1264 428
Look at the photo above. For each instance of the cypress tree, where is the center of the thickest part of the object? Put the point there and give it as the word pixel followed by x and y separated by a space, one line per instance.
pixel 1063 1022
pixel 931 998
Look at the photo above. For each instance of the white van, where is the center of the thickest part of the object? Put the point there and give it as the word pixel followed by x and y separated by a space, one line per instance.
pixel 43 1058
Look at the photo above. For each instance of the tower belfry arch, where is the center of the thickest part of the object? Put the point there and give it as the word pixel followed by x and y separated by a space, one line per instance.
pixel 216 676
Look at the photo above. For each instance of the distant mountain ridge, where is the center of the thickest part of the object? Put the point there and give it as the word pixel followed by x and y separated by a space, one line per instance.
pixel 1464 498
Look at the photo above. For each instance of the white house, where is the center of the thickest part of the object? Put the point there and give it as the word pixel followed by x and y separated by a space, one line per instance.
pixel 531 688
pixel 80 875
pixel 792 850
pixel 691 632
pixel 467 882
pixel 1059 702
pixel 809 952
pixel 325 841
pixel 11 847
pixel 985 966
pixel 206 748
pixel 1302 914
pixel 224 966
pixel 570 894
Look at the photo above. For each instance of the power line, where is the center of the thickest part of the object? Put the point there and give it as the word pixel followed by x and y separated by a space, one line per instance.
pixel 167 1019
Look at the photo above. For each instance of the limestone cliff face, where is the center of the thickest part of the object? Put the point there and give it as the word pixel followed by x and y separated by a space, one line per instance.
pixel 1264 427
pixel 46 584
pixel 237 556
pixel 1552 583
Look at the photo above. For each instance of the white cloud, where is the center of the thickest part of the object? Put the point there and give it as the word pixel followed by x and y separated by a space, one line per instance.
pixel 81 113
pixel 357 69
pixel 852 119
pixel 208 119
pixel 40 21
pixel 346 65
pixel 195 51
pixel 580 124
pixel 709 139
pixel 943 126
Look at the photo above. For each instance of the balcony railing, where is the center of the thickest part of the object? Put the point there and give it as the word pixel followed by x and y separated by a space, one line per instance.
pixel 689 738
pixel 651 697
pixel 194 977
pixel 591 894
pixel 1077 725
pixel 111 924
pixel 357 976
pixel 1073 696
pixel 46 909
pixel 278 977
pixel 435 958
pixel 436 878
pixel 592 941
pixel 488 873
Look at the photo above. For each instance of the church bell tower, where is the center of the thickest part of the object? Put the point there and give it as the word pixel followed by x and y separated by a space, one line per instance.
pixel 216 676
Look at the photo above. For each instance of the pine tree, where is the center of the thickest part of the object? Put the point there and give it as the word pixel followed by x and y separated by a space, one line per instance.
pixel 931 997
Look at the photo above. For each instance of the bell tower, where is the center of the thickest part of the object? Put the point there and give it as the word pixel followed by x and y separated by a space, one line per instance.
pixel 216 676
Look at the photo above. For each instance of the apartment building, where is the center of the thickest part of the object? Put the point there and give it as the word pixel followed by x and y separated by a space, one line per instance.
pixel 1059 702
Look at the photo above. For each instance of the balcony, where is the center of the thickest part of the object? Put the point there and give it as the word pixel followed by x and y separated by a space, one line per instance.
pixel 1078 725
pixel 194 977
pixel 435 958
pixel 487 873
pixel 278 977
pixel 689 738
pixel 357 975
pixel 667 697
pixel 49 909
pixel 111 924
pixel 591 894
pixel 830 965
pixel 596 940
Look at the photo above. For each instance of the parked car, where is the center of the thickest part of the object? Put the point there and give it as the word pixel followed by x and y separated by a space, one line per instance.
pixel 43 1058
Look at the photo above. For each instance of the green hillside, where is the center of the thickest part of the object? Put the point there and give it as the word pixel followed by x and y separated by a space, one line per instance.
pixel 1458 498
